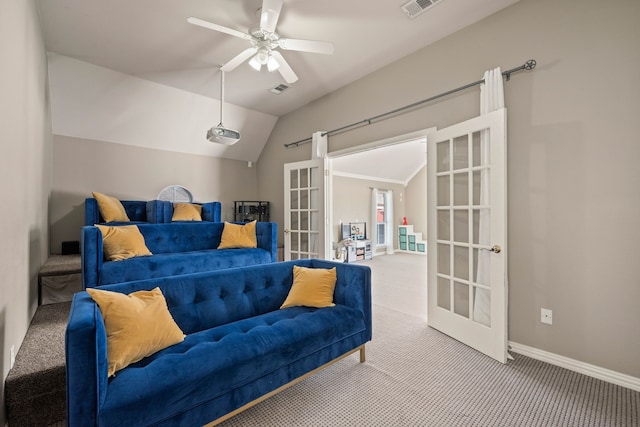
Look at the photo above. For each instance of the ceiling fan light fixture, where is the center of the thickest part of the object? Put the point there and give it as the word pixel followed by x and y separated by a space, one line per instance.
pixel 255 64
pixel 272 64
pixel 262 56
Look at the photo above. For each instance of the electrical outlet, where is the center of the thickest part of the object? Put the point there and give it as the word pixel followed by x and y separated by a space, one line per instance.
pixel 546 316
pixel 12 356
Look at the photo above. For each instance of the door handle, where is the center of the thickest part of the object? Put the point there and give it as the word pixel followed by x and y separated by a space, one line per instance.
pixel 286 230
pixel 496 249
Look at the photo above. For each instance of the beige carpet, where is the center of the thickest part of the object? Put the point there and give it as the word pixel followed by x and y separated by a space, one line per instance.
pixel 399 282
pixel 416 376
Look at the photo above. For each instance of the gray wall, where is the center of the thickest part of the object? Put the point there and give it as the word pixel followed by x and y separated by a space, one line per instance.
pixel 25 172
pixel 352 202
pixel 573 153
pixel 415 202
pixel 134 173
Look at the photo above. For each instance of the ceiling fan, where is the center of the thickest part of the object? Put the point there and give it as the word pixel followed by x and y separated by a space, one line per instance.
pixel 265 40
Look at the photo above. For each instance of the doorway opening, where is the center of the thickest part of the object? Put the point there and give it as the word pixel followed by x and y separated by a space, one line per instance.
pixel 381 184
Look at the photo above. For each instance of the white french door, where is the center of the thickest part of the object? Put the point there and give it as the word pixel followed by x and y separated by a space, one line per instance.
pixel 467 233
pixel 304 213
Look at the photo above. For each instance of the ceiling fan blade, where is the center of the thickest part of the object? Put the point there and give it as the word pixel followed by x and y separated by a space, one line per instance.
pixel 270 14
pixel 284 69
pixel 306 46
pixel 211 26
pixel 239 59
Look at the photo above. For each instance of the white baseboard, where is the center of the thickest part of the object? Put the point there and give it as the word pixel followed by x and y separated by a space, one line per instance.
pixel 577 366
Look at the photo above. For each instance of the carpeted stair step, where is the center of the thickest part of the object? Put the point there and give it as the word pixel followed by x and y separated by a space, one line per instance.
pixel 35 389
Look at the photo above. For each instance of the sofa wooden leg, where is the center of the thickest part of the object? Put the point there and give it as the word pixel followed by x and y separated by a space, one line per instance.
pixel 362 355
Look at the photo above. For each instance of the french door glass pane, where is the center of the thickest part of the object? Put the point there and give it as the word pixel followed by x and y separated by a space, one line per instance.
pixel 476 188
pixel 304 178
pixel 443 157
pixel 483 316
pixel 314 243
pixel 475 142
pixel 461 299
pixel 295 225
pixel 295 247
pixel 461 189
pixel 476 226
pixel 304 199
pixel 482 266
pixel 461 226
pixel 314 175
pixel 461 152
pixel 444 293
pixel 293 178
pixel 478 176
pixel 461 262
pixel 443 190
pixel 443 259
pixel 443 225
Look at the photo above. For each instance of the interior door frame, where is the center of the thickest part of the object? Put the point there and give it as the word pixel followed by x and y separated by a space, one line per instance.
pixel 394 140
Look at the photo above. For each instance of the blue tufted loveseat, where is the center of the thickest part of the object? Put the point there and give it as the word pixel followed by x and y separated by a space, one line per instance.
pixel 177 248
pixel 239 346
pixel 152 211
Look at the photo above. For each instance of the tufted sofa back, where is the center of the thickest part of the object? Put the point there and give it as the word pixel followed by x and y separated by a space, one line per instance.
pixel 197 236
pixel 152 211
pixel 204 300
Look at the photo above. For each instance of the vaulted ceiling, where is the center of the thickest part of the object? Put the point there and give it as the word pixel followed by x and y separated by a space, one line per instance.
pixel 136 72
pixel 151 39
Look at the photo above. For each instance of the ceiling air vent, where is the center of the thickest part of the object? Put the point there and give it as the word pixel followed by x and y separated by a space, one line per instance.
pixel 279 89
pixel 416 7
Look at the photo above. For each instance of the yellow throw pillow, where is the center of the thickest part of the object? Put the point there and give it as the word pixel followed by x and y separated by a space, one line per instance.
pixel 312 287
pixel 122 242
pixel 137 325
pixel 186 212
pixel 238 236
pixel 110 208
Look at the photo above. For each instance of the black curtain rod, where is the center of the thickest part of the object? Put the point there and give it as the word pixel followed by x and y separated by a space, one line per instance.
pixel 529 65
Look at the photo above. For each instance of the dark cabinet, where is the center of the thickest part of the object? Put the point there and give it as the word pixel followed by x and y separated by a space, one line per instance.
pixel 247 211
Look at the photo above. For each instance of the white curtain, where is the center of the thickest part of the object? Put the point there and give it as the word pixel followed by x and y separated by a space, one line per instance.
pixel 388 218
pixel 491 99
pixel 373 234
pixel 318 145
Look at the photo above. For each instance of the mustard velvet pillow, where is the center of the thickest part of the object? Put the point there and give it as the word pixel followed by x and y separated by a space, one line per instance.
pixel 137 325
pixel 122 242
pixel 186 212
pixel 238 236
pixel 312 287
pixel 110 208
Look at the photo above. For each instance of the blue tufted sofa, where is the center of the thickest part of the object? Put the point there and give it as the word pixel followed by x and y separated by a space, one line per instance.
pixel 239 346
pixel 177 248
pixel 152 211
